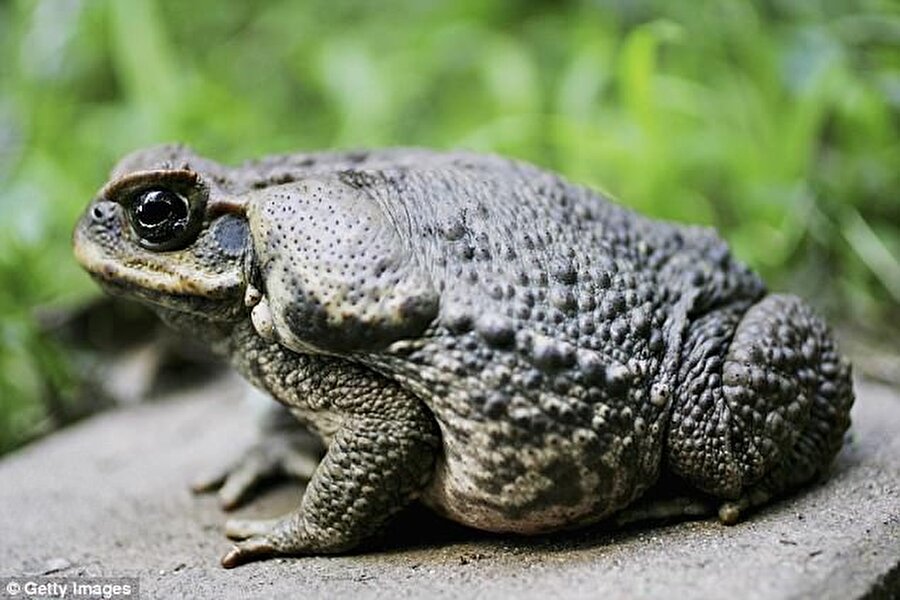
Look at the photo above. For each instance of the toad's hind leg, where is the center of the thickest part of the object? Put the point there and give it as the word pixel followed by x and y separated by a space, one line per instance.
pixel 379 459
pixel 762 404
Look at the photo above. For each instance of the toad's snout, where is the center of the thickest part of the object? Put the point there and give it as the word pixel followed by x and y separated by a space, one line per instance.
pixel 99 226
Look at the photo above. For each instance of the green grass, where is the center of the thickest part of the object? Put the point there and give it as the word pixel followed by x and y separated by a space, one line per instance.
pixel 775 121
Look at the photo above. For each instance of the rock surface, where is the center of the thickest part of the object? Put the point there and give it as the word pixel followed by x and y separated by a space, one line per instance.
pixel 110 497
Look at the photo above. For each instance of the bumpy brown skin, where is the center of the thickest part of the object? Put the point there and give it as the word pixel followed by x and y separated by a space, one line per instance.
pixel 515 350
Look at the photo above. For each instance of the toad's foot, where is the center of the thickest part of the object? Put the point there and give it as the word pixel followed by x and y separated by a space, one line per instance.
pixel 281 454
pixel 663 509
pixel 241 529
pixel 731 512
pixel 258 539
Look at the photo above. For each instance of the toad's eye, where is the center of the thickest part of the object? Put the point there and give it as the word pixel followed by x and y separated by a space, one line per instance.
pixel 161 218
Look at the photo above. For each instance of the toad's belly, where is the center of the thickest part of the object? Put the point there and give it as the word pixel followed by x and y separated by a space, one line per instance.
pixel 557 482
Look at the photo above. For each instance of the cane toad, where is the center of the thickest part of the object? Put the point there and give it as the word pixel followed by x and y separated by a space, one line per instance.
pixel 516 351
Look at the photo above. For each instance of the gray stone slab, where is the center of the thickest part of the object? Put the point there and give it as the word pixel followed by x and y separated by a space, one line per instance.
pixel 109 497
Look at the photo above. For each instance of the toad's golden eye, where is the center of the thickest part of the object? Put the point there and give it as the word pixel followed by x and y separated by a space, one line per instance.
pixel 161 218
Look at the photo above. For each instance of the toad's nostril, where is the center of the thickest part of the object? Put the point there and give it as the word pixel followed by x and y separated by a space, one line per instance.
pixel 102 212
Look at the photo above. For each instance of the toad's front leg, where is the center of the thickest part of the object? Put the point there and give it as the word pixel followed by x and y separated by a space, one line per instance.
pixel 379 459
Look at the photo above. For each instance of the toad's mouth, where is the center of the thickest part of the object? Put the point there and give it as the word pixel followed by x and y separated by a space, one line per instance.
pixel 214 296
pixel 214 309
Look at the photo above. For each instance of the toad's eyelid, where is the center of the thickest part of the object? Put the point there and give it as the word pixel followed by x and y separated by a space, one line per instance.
pixel 123 189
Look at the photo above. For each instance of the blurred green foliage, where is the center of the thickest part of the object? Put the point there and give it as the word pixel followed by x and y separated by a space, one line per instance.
pixel 775 121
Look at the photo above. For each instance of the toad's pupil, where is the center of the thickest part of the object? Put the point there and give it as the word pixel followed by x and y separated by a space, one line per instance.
pixel 161 219
pixel 157 207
